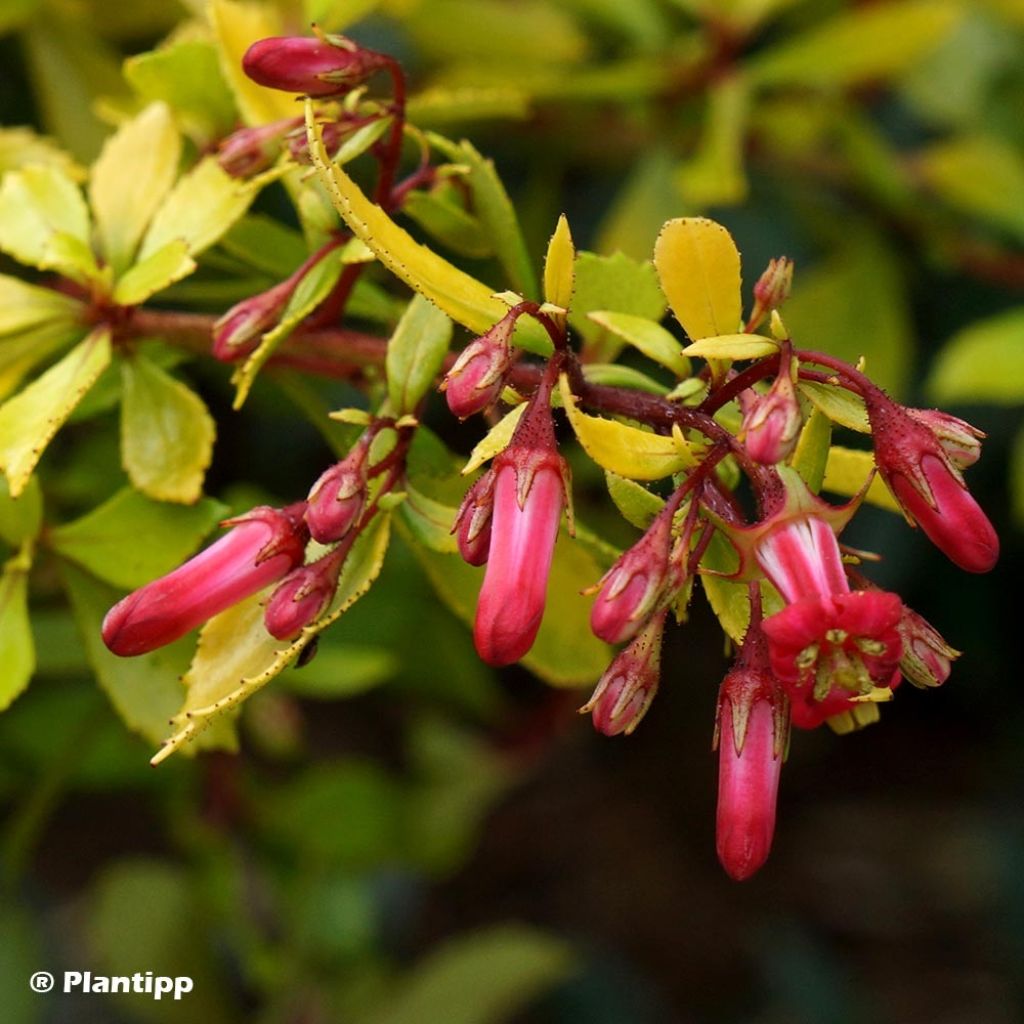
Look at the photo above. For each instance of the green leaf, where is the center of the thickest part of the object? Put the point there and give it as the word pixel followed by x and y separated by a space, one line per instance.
pixel 858 45
pixel 236 656
pixel 566 652
pixel 415 354
pixel 838 404
pixel 983 362
pixel 201 207
pixel 17 652
pixel 729 600
pixel 429 522
pixel 846 473
pixel 131 178
pixel 129 539
pixel 186 75
pixel 859 293
pixel 145 691
pixel 25 306
pixel 715 175
pixel 166 433
pixel 699 269
pixel 628 451
pixel 617 283
pixel 482 978
pixel 157 271
pixel 495 212
pixel 811 453
pixel 44 216
pixel 733 346
pixel 20 518
pixel 29 420
pixel 444 105
pixel 340 671
pixel 617 375
pixel 440 213
pixel 466 300
pixel 495 440
pixel 980 176
pixel 266 244
pixel 637 505
pixel 361 140
pixel 648 337
pixel 560 266
pixel 1017 478
pixel 313 289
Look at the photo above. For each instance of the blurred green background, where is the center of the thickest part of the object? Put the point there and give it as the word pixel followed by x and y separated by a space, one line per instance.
pixel 410 838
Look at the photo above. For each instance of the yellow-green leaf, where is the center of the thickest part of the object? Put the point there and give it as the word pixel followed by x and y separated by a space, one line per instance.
pixel 846 473
pixel 22 146
pixel 729 600
pixel 37 204
pixel 21 517
pixel 495 440
pixel 24 306
pixel 637 504
pixel 29 420
pixel 134 173
pixel 166 433
pixel 415 353
pixel 17 652
pixel 444 105
pixel 838 404
pixel 628 451
pixel 699 269
pixel 237 25
pixel 200 208
pixel 157 271
pixel 429 521
pixel 236 656
pixel 733 346
pixel 648 337
pixel 858 44
pixel 982 363
pixel 811 454
pixel 466 300
pixel 559 266
pixel 129 539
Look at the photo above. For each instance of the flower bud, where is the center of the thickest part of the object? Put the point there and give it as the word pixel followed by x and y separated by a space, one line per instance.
pixel 265 544
pixel 472 527
pixel 338 497
pixel 239 331
pixel 629 683
pixel 315 67
pixel 752 730
pixel 476 379
pixel 772 424
pixel 929 486
pixel 633 587
pixel 960 441
pixel 251 150
pixel 303 595
pixel 772 289
pixel 926 659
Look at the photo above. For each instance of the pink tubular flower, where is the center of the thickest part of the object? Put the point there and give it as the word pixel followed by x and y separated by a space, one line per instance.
pixel 927 658
pixel 338 497
pixel 303 595
pixel 472 527
pixel 476 379
pixel 635 585
pixel 829 650
pixel 316 67
pixel 528 504
pixel 629 684
pixel 751 732
pixel 265 544
pixel 915 464
pixel 772 424
pixel 801 557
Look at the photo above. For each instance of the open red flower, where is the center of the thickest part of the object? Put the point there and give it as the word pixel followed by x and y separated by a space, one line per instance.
pixel 831 649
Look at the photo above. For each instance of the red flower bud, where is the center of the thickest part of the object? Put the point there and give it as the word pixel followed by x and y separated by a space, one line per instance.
pixel 529 497
pixel 629 684
pixel 772 423
pixel 265 544
pixel 303 595
pixel 472 527
pixel 476 379
pixel 960 441
pixel 772 289
pixel 635 585
pixel 251 150
pixel 315 67
pixel 927 658
pixel 929 487
pixel 238 332
pixel 338 497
